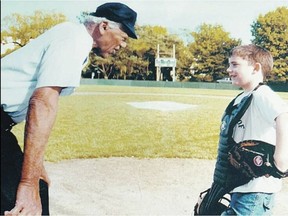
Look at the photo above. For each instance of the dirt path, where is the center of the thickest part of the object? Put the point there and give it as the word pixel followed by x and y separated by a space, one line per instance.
pixel 129 186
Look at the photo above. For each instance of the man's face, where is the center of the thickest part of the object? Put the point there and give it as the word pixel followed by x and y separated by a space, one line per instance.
pixel 110 40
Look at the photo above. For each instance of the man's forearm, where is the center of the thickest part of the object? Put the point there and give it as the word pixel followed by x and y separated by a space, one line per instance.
pixel 40 119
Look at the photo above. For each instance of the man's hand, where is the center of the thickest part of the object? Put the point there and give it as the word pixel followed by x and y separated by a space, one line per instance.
pixel 28 200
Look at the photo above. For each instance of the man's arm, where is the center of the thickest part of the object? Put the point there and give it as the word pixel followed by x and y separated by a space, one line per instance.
pixel 40 119
pixel 281 150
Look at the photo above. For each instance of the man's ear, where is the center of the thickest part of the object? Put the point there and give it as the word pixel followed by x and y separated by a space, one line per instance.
pixel 103 27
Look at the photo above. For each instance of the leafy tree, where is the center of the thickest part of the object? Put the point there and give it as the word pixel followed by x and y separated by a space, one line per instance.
pixel 96 64
pixel 145 48
pixel 210 51
pixel 271 32
pixel 21 29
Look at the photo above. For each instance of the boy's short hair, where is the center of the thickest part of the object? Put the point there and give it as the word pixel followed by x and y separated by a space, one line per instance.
pixel 255 54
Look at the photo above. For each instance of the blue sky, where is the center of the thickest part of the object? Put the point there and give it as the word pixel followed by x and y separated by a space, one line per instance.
pixel 235 16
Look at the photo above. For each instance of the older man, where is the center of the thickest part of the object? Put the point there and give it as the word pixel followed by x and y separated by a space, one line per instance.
pixel 32 79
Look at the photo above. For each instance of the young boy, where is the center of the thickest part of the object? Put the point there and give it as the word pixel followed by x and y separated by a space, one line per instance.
pixel 266 119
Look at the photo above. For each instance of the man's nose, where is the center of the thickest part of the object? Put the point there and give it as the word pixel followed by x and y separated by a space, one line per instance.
pixel 117 47
pixel 123 44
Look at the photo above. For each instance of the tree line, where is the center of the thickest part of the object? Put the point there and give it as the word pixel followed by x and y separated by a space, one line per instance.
pixel 205 58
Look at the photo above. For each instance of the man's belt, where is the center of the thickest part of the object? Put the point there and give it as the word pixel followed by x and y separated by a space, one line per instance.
pixel 6 122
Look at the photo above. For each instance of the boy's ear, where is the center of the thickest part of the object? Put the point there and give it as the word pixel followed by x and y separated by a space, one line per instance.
pixel 258 67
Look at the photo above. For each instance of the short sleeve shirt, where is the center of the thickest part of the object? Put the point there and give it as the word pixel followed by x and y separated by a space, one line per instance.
pixel 258 123
pixel 55 58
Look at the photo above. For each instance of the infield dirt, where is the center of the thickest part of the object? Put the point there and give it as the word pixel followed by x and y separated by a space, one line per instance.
pixel 130 186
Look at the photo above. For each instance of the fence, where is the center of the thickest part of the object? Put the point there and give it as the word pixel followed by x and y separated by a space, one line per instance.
pixel 142 83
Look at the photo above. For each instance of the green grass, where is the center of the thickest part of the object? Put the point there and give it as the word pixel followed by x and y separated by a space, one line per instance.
pixel 102 124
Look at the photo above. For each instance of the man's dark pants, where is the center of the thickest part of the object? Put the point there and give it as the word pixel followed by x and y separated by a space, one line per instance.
pixel 11 166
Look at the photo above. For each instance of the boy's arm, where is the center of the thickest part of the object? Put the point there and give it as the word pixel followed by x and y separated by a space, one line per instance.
pixel 281 150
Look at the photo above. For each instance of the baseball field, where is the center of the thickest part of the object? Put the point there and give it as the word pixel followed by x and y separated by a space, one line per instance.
pixel 141 122
pixel 135 150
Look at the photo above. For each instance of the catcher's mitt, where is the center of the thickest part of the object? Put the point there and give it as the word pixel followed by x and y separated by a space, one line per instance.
pixel 254 159
pixel 217 209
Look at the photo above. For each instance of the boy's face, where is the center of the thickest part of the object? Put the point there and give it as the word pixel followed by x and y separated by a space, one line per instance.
pixel 241 72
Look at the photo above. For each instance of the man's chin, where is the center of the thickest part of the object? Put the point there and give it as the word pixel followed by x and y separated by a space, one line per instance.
pixel 106 55
pixel 98 52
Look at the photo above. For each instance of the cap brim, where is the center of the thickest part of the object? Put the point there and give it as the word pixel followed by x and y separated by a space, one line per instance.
pixel 129 30
pixel 93 14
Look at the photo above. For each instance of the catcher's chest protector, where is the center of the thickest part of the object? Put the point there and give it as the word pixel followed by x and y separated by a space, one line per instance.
pixel 225 178
pixel 230 118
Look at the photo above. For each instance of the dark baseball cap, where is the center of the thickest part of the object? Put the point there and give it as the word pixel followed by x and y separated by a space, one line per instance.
pixel 119 13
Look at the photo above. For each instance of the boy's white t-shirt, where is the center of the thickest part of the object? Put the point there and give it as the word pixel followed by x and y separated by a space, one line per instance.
pixel 55 58
pixel 258 123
